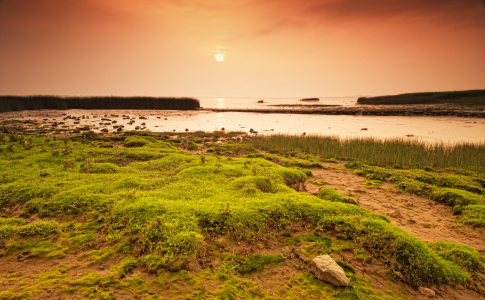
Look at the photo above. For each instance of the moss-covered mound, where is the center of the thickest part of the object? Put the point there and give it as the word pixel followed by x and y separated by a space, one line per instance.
pixel 156 206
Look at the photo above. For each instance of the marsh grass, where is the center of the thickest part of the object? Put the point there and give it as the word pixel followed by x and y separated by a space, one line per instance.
pixel 390 152
pixel 16 103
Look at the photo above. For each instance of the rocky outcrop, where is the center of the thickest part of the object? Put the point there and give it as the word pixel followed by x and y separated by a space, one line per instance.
pixel 326 269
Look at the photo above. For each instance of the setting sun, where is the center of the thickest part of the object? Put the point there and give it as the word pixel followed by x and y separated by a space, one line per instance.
pixel 220 56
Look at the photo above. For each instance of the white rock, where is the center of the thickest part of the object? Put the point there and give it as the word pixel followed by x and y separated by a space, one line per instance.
pixel 326 269
pixel 427 292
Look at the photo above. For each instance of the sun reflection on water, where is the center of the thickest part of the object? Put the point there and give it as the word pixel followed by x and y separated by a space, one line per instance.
pixel 220 102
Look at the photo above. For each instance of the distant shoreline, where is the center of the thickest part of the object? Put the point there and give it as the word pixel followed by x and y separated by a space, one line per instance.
pixel 18 103
pixel 359 111
pixel 470 97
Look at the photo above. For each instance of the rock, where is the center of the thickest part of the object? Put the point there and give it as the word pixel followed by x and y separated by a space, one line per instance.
pixel 326 269
pixel 277 161
pixel 301 256
pixel 353 201
pixel 426 292
pixel 191 264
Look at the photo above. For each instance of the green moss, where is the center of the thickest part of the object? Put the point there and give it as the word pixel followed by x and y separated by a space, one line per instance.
pixel 327 193
pixel 130 182
pixel 98 256
pixel 102 168
pixel 257 262
pixel 7 295
pixel 162 203
pixel 125 266
pixel 453 197
pixel 473 215
pixel 464 256
pixel 45 249
pixel 139 141
pixel 346 267
pixel 319 182
pixel 44 228
pixel 193 146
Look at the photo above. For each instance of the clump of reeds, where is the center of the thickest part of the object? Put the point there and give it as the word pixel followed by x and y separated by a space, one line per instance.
pixel 16 103
pixel 390 152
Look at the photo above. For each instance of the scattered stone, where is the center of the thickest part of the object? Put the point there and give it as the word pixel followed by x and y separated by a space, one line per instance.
pixel 326 269
pixel 301 256
pixel 427 292
pixel 353 201
pixel 105 130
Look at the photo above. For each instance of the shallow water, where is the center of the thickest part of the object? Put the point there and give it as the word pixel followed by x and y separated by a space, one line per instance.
pixel 269 102
pixel 432 129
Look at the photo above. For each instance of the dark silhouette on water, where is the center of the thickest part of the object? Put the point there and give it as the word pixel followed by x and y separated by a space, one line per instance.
pixel 476 97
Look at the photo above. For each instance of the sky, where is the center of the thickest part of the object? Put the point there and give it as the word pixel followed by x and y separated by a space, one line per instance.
pixel 240 48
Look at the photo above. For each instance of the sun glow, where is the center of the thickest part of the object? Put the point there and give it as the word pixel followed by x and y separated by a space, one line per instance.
pixel 220 56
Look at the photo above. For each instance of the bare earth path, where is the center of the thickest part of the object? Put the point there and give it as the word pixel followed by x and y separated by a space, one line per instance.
pixel 424 218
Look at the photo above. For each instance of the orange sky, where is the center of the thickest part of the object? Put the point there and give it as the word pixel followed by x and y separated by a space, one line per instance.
pixel 273 48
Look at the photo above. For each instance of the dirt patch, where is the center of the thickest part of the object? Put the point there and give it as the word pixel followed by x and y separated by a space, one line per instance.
pixel 424 218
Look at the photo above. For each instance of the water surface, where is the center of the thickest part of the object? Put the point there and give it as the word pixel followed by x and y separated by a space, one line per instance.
pixel 433 129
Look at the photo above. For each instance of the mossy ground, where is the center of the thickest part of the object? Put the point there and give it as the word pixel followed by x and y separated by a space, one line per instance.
pixel 167 224
pixel 464 191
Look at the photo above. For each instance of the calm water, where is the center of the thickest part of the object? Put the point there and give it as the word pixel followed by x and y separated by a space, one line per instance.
pixel 432 129
pixel 268 102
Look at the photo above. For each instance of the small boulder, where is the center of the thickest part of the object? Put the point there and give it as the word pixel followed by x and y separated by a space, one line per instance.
pixel 353 201
pixel 427 292
pixel 326 269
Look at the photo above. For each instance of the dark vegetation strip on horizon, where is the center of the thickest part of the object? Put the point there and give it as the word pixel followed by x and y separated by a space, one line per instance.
pixel 390 153
pixel 474 97
pixel 16 103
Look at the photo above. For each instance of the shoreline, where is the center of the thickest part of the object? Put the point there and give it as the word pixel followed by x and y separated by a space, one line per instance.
pixel 358 112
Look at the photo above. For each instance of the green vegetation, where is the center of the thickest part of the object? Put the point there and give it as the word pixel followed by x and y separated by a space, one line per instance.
pixel 193 146
pixel 475 97
pixel 15 103
pixel 462 190
pixel 258 262
pixel 388 153
pixel 327 193
pixel 154 208
pixel 464 256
